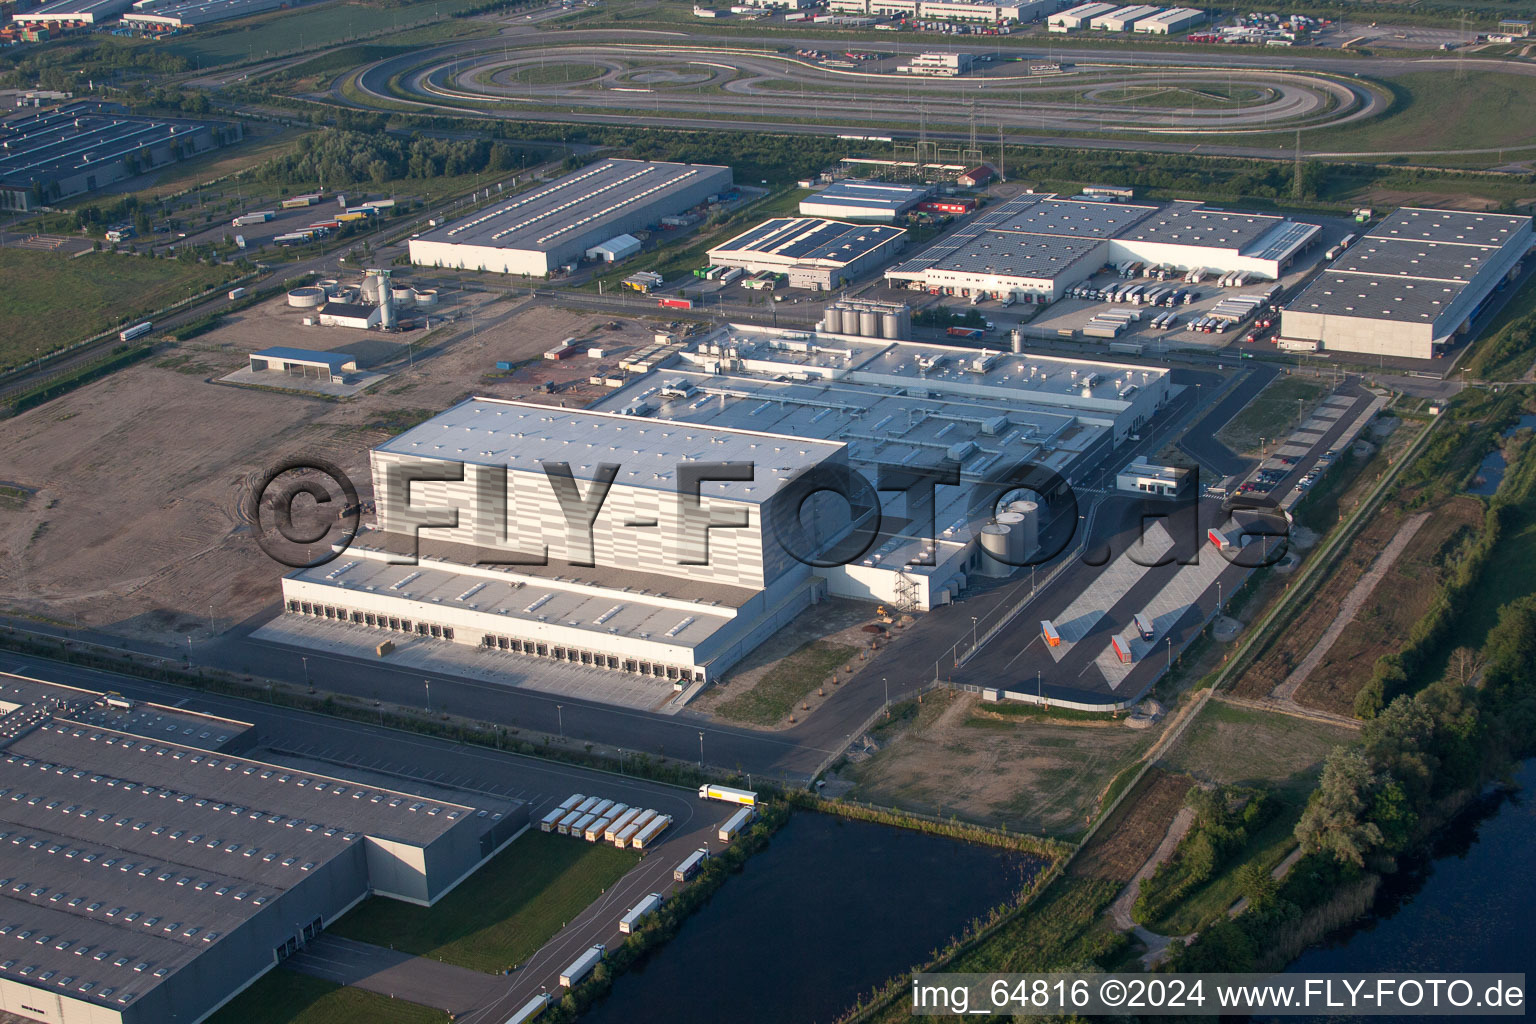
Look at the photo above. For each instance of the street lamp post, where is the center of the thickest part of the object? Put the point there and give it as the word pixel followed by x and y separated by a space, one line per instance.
pixel 428 684
pixel 306 669
pixel 701 749
pixel 973 632
pixel 1170 654
pixel 887 683
pixel 560 719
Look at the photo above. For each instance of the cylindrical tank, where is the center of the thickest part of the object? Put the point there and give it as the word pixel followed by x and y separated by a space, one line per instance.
pixel 890 326
pixel 833 320
pixel 369 289
pixel 869 323
pixel 1030 528
pixel 330 284
pixel 401 295
pixel 906 321
pixel 1015 523
pixel 994 551
pixel 1018 341
pixel 425 296
pixel 306 298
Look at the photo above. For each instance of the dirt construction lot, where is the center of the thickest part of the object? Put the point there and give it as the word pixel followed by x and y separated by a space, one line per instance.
pixel 1122 845
pixel 1030 775
pixel 124 498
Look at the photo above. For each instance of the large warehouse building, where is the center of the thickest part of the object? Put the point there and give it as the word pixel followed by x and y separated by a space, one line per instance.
pixel 649 588
pixel 1035 247
pixel 160 15
pixel 54 154
pixel 854 200
pixel 151 872
pixel 70 13
pixel 1410 285
pixel 555 223
pixel 812 252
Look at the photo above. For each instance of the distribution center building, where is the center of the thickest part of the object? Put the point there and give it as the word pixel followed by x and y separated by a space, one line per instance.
pixel 854 200
pixel 1035 247
pixel 157 15
pixel 73 12
pixel 82 147
pixel 812 252
pixel 555 223
pixel 1410 285
pixel 152 872
pixel 1175 19
pixel 1078 17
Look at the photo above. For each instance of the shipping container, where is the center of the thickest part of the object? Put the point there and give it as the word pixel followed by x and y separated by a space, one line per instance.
pixel 572 802
pixel 571 818
pixel 628 922
pixel 601 808
pixel 585 807
pixel 622 839
pixel 595 831
pixel 675 303
pixel 237 293
pixel 735 823
pixel 1122 648
pixel 579 829
pixel 1143 624
pixel 550 820
pixel 973 333
pixel 690 865
pixel 1048 630
pixel 572 975
pixel 731 796
pixel 136 331
pixel 531 1009
pixel 648 833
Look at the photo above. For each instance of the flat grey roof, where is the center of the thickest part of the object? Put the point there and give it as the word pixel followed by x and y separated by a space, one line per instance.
pixel 1016 255
pixel 545 216
pixel 62 9
pixel 808 240
pixel 1415 224
pixel 866 196
pixel 1069 218
pixel 333 360
pixel 1439 261
pixel 122 857
pixel 72 139
pixel 1376 298
pixel 1193 224
pixel 530 600
pixel 521 436
pixel 201 12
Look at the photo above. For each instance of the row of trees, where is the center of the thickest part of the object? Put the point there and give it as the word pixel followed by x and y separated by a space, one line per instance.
pixel 1225 820
pixel 342 158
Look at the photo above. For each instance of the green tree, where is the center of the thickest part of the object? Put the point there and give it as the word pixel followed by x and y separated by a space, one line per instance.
pixel 1334 821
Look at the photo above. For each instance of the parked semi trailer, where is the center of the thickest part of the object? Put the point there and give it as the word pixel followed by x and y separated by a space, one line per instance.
pixel 675 303
pixel 735 823
pixel 550 820
pixel 648 833
pixel 745 797
pixel 531 1009
pixel 620 823
pixel 628 922
pixel 1143 623
pixel 572 975
pixel 1122 648
pixel 690 865
pixel 1048 630
pixel 973 333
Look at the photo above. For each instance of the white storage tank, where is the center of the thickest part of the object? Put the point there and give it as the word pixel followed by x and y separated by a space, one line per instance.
pixel 424 296
pixel 994 551
pixel 306 298
pixel 833 320
pixel 1030 528
pixel 401 295
pixel 1016 549
pixel 1018 341
pixel 330 285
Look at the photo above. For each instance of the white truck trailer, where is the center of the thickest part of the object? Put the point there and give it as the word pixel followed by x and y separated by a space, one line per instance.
pixel 735 823
pixel 690 865
pixel 572 975
pixel 629 921
pixel 731 796
pixel 647 834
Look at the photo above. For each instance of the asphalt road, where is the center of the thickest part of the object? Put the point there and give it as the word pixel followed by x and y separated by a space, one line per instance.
pixel 1200 443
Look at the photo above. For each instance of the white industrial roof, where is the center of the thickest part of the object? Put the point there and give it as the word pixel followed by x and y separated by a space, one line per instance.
pixel 522 436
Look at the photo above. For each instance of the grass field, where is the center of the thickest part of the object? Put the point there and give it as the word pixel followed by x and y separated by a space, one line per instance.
pixel 1275 411
pixel 52 300
pixel 1232 745
pixel 501 915
pixel 1210 901
pixel 562 71
pixel 288 997
pixel 1432 111
pixel 292 31
pixel 1123 843
pixel 774 695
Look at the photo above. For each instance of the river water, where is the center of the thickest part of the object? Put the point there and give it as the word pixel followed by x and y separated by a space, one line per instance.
pixel 830 909
pixel 1468 905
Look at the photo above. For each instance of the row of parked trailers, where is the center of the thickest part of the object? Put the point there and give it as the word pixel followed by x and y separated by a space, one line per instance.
pixel 597 819
pixel 1137 294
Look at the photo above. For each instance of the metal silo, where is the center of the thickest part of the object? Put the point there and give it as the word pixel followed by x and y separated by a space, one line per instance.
pixel 1030 528
pixel 1018 341
pixel 869 323
pixel 994 551
pixel 890 325
pixel 834 320
pixel 1017 552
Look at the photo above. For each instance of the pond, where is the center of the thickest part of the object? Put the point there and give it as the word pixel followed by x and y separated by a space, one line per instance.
pixel 1491 472
pixel 829 910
